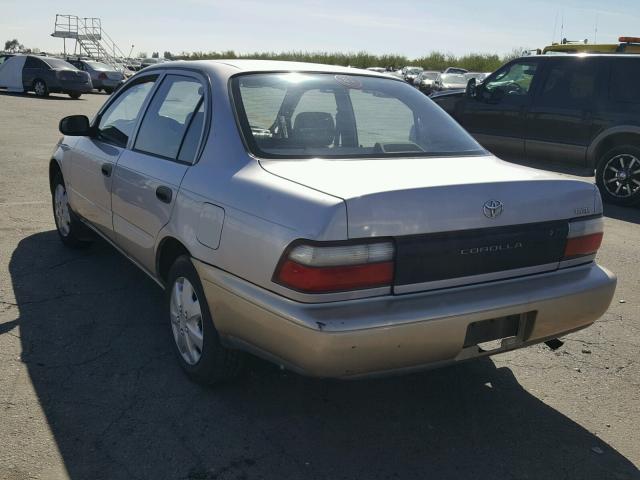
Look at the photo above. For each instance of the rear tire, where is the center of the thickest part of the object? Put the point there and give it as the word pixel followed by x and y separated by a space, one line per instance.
pixel 40 88
pixel 108 91
pixel 196 341
pixel 70 229
pixel 75 95
pixel 618 175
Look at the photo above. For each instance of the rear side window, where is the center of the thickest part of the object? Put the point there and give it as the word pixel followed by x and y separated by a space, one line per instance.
pixel 119 119
pixel 569 84
pixel 173 109
pixel 31 62
pixel 625 86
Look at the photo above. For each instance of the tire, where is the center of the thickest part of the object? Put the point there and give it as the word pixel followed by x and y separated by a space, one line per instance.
pixel 40 88
pixel 75 95
pixel 195 339
pixel 618 175
pixel 70 229
pixel 108 91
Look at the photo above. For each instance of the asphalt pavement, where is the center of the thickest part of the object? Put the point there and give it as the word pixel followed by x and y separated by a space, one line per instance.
pixel 89 388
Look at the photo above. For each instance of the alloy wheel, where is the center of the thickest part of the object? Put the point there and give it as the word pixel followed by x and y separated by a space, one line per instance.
pixel 61 209
pixel 40 88
pixel 621 176
pixel 186 320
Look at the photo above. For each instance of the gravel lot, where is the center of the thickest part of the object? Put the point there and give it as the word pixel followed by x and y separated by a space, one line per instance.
pixel 89 388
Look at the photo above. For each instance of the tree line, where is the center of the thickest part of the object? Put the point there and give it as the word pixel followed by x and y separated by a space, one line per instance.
pixel 478 62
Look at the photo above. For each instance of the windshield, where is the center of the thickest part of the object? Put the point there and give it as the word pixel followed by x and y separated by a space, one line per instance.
pixel 57 63
pixel 300 115
pixel 414 70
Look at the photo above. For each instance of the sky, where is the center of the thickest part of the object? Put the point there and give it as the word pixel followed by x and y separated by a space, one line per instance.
pixel 408 27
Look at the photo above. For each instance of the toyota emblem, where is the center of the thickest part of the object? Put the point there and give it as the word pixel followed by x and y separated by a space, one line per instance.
pixel 492 209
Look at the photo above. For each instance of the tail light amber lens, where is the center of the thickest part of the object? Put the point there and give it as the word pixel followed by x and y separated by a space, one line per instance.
pixel 314 268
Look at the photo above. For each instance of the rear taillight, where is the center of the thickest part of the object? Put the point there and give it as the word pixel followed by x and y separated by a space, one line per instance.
pixel 584 238
pixel 102 76
pixel 317 268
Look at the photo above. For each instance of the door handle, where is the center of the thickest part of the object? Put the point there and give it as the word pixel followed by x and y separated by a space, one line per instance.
pixel 106 169
pixel 164 194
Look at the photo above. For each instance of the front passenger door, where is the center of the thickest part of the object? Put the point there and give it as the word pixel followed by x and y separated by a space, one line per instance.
pixel 94 158
pixel 496 116
pixel 148 176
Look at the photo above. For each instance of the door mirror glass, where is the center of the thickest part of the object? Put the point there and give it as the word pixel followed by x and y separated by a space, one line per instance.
pixel 75 125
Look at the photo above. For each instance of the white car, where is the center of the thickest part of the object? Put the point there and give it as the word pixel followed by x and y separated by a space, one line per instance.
pixel 333 221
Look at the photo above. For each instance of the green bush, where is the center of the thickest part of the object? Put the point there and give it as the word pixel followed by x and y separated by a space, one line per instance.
pixel 477 62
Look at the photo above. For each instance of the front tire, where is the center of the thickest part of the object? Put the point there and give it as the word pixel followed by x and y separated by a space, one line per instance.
pixel 197 343
pixel 40 88
pixel 108 91
pixel 70 230
pixel 618 175
pixel 75 95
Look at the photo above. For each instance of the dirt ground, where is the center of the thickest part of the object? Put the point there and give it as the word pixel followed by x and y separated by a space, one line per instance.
pixel 89 388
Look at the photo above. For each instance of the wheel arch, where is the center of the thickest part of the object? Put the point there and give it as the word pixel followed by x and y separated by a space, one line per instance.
pixel 169 249
pixel 54 169
pixel 609 139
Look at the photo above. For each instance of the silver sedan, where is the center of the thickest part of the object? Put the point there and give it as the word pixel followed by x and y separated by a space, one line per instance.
pixel 334 221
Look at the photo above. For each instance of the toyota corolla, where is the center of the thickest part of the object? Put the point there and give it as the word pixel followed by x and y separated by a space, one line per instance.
pixel 334 221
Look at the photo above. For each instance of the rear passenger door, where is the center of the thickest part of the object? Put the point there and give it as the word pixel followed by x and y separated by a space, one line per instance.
pixel 148 175
pixel 560 120
pixel 33 68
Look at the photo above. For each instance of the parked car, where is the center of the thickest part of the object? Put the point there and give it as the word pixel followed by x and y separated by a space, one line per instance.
pixel 453 79
pixel 427 82
pixel 410 74
pixel 43 75
pixel 580 110
pixel 333 221
pixel 478 76
pixel 103 76
pixel 377 69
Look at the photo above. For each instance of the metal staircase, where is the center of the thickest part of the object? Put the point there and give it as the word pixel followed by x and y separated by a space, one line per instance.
pixel 91 40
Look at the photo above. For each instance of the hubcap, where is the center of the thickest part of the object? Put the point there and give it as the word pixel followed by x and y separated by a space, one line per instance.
pixel 39 88
pixel 186 320
pixel 621 176
pixel 61 209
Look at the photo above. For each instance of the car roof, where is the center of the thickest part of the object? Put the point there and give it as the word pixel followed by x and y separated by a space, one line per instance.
pixel 586 55
pixel 231 67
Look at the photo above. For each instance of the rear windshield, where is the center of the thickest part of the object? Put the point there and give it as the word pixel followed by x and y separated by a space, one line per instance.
pixel 58 64
pixel 306 115
pixel 100 67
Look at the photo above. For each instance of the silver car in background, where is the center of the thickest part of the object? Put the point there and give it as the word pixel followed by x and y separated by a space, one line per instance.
pixel 334 221
pixel 103 77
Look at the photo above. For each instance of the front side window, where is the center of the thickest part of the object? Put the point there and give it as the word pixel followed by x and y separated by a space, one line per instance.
pixel 305 115
pixel 513 80
pixel 119 119
pixel 173 108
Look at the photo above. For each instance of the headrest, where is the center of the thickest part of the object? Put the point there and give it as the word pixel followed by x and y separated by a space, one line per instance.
pixel 314 129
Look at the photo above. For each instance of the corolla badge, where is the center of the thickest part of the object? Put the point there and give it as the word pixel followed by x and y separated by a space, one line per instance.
pixel 492 208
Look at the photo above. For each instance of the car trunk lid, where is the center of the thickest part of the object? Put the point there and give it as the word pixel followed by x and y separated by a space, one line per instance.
pixel 454 220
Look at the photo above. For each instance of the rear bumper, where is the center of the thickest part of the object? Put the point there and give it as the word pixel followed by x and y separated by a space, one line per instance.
pixel 67 87
pixel 403 332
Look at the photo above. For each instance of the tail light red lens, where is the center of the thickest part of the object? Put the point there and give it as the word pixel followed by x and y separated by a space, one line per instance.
pixel 584 238
pixel 102 76
pixel 323 269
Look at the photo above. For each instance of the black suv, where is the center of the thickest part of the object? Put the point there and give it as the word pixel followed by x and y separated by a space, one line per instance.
pixel 579 109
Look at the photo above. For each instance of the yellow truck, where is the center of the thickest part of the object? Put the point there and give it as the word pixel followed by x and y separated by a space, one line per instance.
pixel 626 45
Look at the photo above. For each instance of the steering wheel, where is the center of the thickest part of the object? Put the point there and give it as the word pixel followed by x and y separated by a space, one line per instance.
pixel 513 88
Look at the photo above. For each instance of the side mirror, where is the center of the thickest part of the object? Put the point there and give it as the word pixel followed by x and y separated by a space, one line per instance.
pixel 76 126
pixel 472 88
